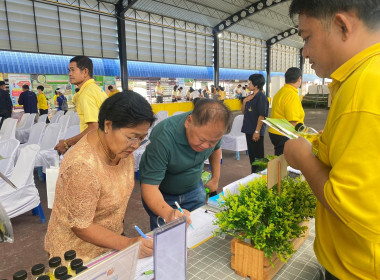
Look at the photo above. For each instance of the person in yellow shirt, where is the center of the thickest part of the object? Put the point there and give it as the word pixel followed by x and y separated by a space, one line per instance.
pixel 112 91
pixel 90 98
pixel 42 104
pixel 221 94
pixel 159 91
pixel 286 105
pixel 55 97
pixel 342 42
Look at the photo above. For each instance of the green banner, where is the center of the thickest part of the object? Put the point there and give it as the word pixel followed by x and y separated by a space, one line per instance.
pixel 109 80
pixel 57 79
pixel 99 80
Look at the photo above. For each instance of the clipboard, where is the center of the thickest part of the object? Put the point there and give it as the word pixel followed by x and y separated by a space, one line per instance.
pixel 170 253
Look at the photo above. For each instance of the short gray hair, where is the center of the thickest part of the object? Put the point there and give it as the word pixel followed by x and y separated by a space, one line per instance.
pixel 212 111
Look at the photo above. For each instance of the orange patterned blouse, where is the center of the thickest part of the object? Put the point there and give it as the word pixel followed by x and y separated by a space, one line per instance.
pixel 87 191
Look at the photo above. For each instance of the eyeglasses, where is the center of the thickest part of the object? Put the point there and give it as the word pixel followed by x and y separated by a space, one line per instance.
pixel 134 141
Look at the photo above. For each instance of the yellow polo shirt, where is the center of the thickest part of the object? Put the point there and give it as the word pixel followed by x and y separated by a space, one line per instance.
pixel 287 105
pixel 349 247
pixel 41 101
pixel 90 98
pixel 222 95
pixel 113 92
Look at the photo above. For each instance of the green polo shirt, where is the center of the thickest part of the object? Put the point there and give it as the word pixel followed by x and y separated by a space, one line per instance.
pixel 169 161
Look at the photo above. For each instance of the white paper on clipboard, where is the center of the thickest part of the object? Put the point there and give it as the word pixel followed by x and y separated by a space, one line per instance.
pixel 170 251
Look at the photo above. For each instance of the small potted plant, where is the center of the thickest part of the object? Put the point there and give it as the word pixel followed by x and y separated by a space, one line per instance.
pixel 272 223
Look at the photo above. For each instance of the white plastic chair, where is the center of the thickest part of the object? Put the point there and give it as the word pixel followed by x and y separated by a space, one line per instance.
pixel 26 197
pixel 8 150
pixel 56 117
pixel 72 131
pixel 235 140
pixel 22 133
pixel 24 117
pixel 64 121
pixel 160 116
pixel 46 157
pixel 8 129
pixel 74 119
pixel 42 118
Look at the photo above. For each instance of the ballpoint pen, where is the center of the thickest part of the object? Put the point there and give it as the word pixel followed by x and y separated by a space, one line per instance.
pixel 141 233
pixel 180 210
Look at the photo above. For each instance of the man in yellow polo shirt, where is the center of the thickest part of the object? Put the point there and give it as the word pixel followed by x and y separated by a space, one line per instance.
pixel 286 105
pixel 342 42
pixel 112 91
pixel 90 98
pixel 42 104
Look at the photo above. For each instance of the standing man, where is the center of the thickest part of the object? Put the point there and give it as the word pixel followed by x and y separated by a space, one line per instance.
pixel 342 42
pixel 237 91
pixel 112 91
pixel 255 108
pixel 90 98
pixel 172 164
pixel 5 103
pixel 159 91
pixel 28 99
pixel 287 105
pixel 42 104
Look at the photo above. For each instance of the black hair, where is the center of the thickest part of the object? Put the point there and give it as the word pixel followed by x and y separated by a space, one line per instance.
pixel 191 89
pixel 110 87
pixel 367 11
pixel 2 83
pixel 292 75
pixel 175 87
pixel 77 89
pixel 125 109
pixel 257 80
pixel 84 62
pixel 180 88
pixel 25 87
pixel 41 88
pixel 209 110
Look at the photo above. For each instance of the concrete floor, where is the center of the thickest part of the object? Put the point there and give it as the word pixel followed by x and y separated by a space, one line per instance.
pixel 28 249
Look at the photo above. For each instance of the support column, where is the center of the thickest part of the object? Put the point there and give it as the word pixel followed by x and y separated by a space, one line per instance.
pixel 301 61
pixel 268 62
pixel 216 59
pixel 122 45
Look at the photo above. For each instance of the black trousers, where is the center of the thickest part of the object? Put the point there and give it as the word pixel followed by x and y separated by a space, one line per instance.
pixel 278 142
pixel 329 276
pixel 43 112
pixel 255 149
pixel 160 99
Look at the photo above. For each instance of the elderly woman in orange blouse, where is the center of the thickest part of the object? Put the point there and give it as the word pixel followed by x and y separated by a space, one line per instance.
pixel 96 180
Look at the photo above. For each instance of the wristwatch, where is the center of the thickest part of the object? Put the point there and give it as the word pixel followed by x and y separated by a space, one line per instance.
pixel 257 131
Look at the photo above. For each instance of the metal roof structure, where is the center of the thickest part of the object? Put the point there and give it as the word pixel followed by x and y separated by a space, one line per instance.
pixel 262 19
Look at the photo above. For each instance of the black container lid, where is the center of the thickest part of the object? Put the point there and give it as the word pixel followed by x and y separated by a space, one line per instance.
pixel 70 255
pixel 20 275
pixel 38 269
pixel 43 277
pixel 79 270
pixel 60 272
pixel 55 262
pixel 75 264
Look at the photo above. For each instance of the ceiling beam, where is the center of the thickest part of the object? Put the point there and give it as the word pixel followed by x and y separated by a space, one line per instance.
pixel 129 5
pixel 244 13
pixel 282 35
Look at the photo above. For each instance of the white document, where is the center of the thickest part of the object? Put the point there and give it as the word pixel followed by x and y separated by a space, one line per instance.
pixel 144 265
pixel 203 227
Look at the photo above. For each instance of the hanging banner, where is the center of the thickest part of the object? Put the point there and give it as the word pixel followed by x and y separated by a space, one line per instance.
pixel 189 82
pixel 57 79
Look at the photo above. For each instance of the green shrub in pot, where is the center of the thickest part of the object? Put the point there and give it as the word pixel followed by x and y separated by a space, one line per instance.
pixel 270 220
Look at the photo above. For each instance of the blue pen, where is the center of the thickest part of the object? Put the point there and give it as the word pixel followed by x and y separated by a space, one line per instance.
pixel 141 233
pixel 180 210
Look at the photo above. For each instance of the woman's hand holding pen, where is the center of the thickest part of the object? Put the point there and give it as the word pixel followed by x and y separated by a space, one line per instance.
pixel 146 248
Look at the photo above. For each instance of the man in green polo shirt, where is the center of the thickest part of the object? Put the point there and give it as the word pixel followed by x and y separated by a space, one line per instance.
pixel 172 164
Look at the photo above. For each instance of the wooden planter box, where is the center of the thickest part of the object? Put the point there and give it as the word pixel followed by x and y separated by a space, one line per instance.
pixel 250 262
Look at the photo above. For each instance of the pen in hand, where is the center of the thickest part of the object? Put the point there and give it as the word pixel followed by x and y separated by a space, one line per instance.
pixel 141 233
pixel 180 210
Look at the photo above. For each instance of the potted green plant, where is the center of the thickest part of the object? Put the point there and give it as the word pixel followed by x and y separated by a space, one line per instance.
pixel 270 220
